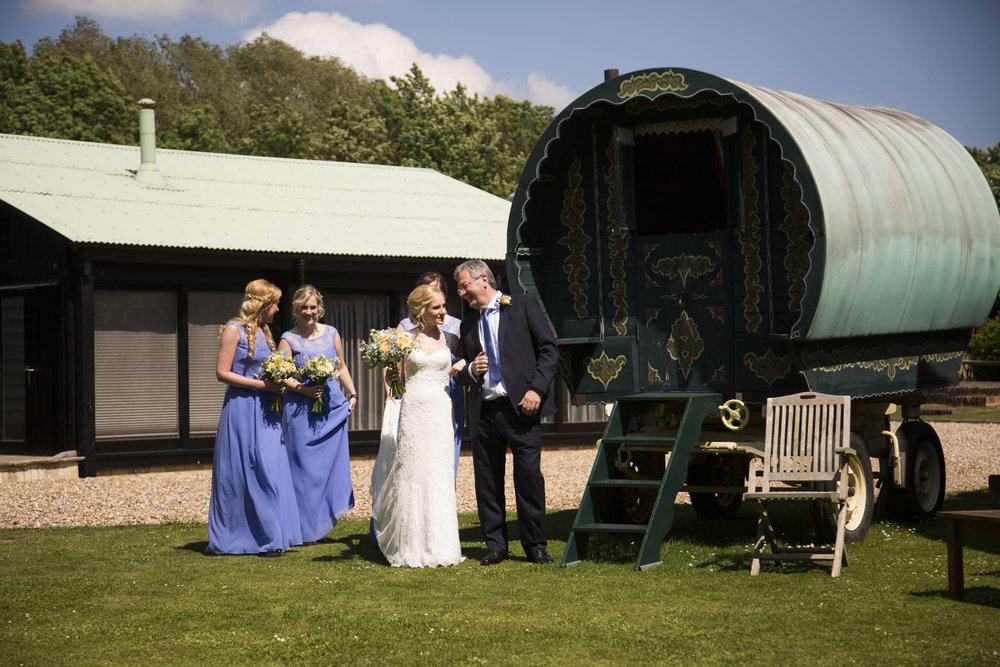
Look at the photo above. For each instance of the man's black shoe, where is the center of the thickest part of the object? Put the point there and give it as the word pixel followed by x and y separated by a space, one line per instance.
pixel 493 557
pixel 539 555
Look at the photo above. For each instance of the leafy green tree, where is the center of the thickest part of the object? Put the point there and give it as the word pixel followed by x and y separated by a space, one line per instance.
pixel 272 70
pixel 13 77
pixel 989 161
pixel 205 75
pixel 520 124
pixel 353 133
pixel 276 130
pixel 408 116
pixel 985 344
pixel 470 147
pixel 82 38
pixel 67 97
pixel 145 72
pixel 193 128
pixel 261 98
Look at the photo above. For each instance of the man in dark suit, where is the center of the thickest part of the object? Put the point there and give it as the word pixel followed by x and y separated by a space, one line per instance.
pixel 511 357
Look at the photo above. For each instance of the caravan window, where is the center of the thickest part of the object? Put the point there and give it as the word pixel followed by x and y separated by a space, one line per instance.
pixel 679 179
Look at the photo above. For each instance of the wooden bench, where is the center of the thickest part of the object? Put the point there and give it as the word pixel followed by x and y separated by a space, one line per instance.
pixel 970 522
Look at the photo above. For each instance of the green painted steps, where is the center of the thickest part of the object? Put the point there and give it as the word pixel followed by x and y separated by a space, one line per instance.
pixel 598 511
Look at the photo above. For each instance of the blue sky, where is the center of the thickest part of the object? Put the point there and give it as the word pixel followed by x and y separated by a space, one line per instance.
pixel 938 59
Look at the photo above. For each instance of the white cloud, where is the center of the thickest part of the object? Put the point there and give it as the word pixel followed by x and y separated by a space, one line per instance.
pixel 136 10
pixel 378 52
pixel 541 88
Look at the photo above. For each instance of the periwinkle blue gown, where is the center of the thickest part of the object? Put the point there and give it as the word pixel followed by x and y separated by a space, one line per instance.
pixel 316 442
pixel 252 509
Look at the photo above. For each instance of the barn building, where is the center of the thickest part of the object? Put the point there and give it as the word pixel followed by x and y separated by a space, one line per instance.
pixel 119 263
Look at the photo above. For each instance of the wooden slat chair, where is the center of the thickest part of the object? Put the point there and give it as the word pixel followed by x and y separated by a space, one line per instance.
pixel 806 449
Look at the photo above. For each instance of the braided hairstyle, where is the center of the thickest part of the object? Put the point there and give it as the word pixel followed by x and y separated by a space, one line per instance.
pixel 257 298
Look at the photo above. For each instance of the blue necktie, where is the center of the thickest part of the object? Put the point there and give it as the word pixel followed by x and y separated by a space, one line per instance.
pixel 492 354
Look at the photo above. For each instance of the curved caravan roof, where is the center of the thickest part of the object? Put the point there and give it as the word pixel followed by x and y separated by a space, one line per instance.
pixel 907 233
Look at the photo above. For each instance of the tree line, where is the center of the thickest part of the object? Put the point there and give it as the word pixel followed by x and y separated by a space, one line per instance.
pixel 260 98
pixel 267 98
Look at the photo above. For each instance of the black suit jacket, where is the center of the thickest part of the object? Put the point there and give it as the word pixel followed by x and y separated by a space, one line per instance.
pixel 529 356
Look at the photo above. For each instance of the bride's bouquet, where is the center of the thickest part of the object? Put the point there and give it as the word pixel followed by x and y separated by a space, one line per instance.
pixel 319 369
pixel 386 348
pixel 276 367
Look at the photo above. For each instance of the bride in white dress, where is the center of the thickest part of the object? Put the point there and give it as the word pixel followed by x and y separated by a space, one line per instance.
pixel 414 513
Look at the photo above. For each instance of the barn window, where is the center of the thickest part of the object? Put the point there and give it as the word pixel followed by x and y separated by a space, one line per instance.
pixel 207 311
pixel 680 177
pixel 354 315
pixel 135 364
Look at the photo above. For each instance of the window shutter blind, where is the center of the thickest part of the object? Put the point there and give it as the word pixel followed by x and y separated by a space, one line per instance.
pixel 135 364
pixel 354 316
pixel 207 311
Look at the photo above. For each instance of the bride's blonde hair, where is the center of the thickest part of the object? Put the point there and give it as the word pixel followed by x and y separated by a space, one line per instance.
pixel 257 298
pixel 420 300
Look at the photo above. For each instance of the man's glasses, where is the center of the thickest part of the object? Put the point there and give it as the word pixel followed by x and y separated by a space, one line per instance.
pixel 464 286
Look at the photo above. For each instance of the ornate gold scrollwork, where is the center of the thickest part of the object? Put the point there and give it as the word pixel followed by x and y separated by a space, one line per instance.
pixel 685 344
pixel 618 242
pixel 576 239
pixel 604 369
pixel 638 83
pixel 683 266
pixel 769 367
pixel 749 236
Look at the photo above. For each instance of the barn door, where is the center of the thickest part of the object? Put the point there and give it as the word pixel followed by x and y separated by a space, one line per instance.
pixel 685 335
pixel 29 362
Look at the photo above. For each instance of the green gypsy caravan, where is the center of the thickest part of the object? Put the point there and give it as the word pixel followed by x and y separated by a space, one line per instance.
pixel 700 245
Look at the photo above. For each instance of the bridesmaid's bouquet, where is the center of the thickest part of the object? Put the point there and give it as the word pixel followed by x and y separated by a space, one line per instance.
pixel 276 367
pixel 319 369
pixel 386 348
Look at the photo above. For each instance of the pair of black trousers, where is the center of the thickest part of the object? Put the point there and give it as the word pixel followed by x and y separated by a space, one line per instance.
pixel 499 427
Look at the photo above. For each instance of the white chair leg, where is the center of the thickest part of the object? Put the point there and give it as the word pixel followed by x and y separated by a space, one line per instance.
pixel 758 546
pixel 838 549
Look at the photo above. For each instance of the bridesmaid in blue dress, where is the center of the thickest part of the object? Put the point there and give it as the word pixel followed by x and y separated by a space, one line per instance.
pixel 316 442
pixel 252 510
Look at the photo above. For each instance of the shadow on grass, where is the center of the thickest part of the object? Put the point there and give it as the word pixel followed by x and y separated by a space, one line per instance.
pixel 984 596
pixel 965 500
pixel 197 547
pixel 356 545
pixel 725 534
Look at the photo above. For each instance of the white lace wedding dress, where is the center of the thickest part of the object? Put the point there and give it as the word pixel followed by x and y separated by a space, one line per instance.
pixel 413 487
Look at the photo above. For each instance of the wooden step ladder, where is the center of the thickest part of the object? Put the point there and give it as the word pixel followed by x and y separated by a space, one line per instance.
pixel 605 477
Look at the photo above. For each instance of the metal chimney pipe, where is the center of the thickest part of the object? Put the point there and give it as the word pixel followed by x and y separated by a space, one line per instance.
pixel 148 173
pixel 610 74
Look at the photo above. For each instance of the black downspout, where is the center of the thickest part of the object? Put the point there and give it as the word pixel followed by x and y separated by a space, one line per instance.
pixel 183 370
pixel 86 420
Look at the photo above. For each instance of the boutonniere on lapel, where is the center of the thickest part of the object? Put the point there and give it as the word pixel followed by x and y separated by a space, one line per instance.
pixel 505 301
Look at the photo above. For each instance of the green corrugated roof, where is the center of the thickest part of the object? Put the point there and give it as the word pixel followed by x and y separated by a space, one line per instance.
pixel 88 193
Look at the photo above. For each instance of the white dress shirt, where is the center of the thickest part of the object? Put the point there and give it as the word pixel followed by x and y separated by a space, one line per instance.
pixel 490 316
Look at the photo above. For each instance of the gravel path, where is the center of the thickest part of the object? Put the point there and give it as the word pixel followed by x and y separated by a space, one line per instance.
pixel 972 453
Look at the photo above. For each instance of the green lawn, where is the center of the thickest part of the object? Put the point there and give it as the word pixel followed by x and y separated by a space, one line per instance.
pixel 147 594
